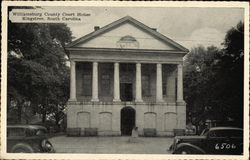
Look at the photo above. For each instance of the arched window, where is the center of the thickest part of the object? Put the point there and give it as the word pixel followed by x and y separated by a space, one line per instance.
pixel 128 42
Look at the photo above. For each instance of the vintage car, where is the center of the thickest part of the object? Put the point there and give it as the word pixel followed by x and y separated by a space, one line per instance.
pixel 217 140
pixel 28 139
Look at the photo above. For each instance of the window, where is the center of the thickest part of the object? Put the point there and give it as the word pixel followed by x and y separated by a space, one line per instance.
pixel 87 85
pixel 145 85
pixel 164 88
pixel 16 132
pixel 105 84
pixel 226 133
pixel 35 132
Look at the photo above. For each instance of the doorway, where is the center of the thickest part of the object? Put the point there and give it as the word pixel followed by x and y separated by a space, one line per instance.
pixel 126 91
pixel 127 120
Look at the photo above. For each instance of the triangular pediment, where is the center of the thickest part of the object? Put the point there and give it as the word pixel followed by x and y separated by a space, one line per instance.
pixel 127 33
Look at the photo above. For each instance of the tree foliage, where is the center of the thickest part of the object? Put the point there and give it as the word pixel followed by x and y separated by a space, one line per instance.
pixel 37 70
pixel 213 79
pixel 232 68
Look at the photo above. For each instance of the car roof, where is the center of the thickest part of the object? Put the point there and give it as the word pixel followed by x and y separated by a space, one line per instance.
pixel 25 126
pixel 225 128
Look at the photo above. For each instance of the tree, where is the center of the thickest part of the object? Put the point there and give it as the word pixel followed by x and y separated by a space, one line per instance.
pixel 37 71
pixel 213 79
pixel 200 68
pixel 231 87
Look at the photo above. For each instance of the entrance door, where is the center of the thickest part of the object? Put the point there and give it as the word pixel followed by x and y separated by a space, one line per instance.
pixel 126 91
pixel 127 120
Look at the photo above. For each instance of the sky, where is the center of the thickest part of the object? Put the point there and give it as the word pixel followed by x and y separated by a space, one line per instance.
pixel 189 27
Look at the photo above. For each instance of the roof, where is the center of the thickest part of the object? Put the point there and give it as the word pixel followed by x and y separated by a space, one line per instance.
pixel 25 126
pixel 225 128
pixel 127 19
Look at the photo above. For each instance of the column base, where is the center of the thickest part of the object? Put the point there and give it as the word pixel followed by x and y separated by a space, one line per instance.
pixel 180 102
pixel 116 100
pixel 72 100
pixel 94 100
pixel 139 100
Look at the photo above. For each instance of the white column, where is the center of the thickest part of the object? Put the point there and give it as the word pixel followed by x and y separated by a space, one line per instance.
pixel 95 82
pixel 72 81
pixel 159 83
pixel 138 96
pixel 179 83
pixel 116 83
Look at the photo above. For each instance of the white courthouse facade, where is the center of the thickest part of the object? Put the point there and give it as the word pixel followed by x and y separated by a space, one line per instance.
pixel 125 74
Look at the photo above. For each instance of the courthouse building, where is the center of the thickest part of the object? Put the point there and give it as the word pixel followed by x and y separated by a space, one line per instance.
pixel 125 74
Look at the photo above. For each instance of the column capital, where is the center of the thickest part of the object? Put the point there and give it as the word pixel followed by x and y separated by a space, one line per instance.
pixel 72 63
pixel 116 64
pixel 158 64
pixel 180 65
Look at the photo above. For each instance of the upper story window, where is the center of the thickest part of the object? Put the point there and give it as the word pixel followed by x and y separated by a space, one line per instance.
pixel 146 85
pixel 164 88
pixel 105 84
pixel 87 85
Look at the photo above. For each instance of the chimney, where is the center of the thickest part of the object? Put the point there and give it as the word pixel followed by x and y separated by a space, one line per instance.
pixel 96 28
pixel 154 29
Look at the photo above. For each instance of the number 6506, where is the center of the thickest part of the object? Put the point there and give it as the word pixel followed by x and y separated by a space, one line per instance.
pixel 224 146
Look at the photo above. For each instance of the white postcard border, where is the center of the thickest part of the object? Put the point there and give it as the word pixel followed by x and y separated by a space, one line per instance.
pixel 5 4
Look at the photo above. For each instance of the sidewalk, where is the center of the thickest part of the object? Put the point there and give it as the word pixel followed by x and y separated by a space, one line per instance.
pixel 109 145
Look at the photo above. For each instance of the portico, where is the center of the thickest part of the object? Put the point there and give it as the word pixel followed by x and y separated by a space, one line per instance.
pixel 142 75
pixel 138 84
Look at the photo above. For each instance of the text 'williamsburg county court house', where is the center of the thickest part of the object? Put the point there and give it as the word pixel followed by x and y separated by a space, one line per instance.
pixel 125 74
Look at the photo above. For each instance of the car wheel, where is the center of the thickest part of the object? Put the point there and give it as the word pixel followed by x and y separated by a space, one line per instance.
pixel 22 148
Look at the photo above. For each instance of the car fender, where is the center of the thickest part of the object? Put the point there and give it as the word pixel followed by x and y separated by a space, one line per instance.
pixel 189 145
pixel 23 146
